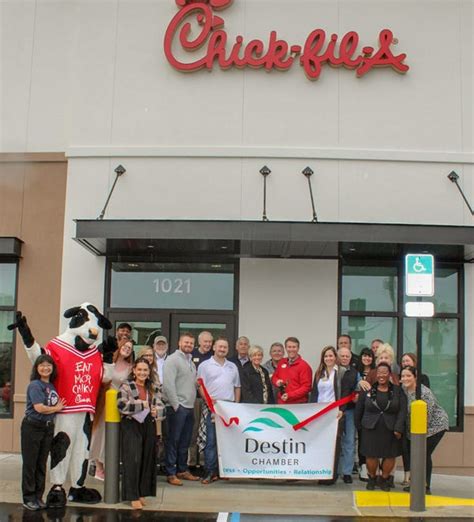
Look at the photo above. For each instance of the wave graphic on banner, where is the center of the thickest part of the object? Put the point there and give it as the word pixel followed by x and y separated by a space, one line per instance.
pixel 288 416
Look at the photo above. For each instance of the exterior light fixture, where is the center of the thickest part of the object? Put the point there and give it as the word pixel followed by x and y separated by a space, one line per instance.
pixel 453 177
pixel 119 171
pixel 308 172
pixel 265 172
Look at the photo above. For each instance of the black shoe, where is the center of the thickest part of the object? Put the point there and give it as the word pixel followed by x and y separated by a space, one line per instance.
pixel 347 479
pixel 355 469
pixel 391 481
pixel 427 490
pixel 31 505
pixel 41 504
pixel 384 485
pixel 370 484
pixel 327 482
pixel 197 471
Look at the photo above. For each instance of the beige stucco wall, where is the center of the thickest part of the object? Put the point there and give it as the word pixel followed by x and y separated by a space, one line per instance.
pixel 32 191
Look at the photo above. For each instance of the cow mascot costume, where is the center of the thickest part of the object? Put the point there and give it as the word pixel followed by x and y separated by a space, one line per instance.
pixel 80 373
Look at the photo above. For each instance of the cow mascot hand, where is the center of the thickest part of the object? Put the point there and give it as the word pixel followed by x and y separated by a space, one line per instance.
pixel 80 371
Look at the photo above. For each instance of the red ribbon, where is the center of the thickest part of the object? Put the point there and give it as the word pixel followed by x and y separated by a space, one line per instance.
pixel 296 427
pixel 210 405
pixel 320 413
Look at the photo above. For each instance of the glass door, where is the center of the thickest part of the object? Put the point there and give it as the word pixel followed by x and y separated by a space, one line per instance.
pixel 219 325
pixel 145 326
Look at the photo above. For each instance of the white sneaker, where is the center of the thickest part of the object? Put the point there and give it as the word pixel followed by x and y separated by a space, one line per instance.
pixel 363 475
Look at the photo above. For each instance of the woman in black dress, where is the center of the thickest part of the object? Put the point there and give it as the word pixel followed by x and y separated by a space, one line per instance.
pixel 380 415
pixel 256 387
pixel 365 365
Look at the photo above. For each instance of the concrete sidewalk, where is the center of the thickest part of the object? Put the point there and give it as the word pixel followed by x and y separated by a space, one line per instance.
pixel 274 497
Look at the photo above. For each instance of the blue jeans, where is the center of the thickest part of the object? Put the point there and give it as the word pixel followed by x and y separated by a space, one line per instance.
pixel 346 462
pixel 180 430
pixel 210 451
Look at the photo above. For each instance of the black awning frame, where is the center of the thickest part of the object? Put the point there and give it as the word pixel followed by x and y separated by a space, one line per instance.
pixel 95 235
pixel 10 247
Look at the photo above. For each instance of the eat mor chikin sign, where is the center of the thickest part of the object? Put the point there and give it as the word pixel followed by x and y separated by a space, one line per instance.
pixel 211 45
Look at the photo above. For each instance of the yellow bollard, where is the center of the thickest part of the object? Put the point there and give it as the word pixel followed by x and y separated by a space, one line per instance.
pixel 418 430
pixel 419 418
pixel 112 413
pixel 112 448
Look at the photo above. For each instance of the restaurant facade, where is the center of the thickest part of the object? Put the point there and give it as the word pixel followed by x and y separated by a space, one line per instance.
pixel 250 168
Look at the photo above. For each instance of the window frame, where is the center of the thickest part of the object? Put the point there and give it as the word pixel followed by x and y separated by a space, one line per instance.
pixel 168 313
pixel 13 308
pixel 399 315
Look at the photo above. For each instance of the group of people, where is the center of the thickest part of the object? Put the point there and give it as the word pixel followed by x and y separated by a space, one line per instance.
pixel 165 418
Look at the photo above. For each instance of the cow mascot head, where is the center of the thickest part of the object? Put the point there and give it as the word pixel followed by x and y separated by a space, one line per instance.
pixel 80 371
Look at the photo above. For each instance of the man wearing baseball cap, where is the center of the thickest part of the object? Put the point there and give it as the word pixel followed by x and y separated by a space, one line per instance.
pixel 160 346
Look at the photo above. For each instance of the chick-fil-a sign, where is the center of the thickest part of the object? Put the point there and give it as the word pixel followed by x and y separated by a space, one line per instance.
pixel 318 49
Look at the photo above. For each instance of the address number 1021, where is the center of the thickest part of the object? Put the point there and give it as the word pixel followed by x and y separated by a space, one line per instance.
pixel 168 285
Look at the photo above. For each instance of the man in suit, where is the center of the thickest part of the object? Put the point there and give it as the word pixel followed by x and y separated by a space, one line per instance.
pixel 242 352
pixel 202 353
pixel 345 341
pixel 348 386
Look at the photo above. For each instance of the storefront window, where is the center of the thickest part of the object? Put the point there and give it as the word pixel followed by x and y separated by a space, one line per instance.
pixel 7 284
pixel 367 288
pixel 370 309
pixel 7 310
pixel 446 291
pixel 439 341
pixel 364 329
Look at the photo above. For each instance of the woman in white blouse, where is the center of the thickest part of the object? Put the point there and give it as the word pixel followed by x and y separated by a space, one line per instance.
pixel 326 389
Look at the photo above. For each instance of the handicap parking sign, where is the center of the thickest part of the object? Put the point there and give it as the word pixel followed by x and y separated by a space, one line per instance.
pixel 419 275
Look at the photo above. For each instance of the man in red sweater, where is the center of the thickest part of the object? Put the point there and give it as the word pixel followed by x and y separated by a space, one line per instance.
pixel 293 375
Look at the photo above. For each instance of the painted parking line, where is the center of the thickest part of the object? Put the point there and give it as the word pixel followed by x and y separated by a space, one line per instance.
pixel 394 499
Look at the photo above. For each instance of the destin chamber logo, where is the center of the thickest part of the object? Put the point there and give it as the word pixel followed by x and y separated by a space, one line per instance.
pixel 286 418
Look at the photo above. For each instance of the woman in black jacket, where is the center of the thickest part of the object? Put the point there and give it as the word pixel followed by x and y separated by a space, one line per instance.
pixel 256 387
pixel 380 415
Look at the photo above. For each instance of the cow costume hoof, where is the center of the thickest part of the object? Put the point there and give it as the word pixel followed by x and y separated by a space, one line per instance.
pixel 84 495
pixel 56 498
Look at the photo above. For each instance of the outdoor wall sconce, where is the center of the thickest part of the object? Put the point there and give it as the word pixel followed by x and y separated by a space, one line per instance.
pixel 308 172
pixel 453 177
pixel 119 171
pixel 265 172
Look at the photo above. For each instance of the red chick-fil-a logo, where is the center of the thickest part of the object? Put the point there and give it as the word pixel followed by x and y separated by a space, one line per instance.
pixel 318 49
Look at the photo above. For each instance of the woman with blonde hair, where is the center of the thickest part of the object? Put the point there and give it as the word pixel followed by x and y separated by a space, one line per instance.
pixel 385 354
pixel 256 387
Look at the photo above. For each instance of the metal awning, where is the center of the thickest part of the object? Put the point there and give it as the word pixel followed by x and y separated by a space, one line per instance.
pixel 270 238
pixel 10 247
